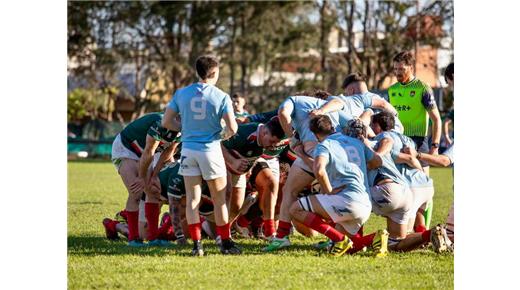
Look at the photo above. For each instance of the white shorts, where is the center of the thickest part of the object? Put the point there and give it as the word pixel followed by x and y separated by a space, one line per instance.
pixel 274 165
pixel 119 151
pixel 392 200
pixel 209 164
pixel 421 197
pixel 350 215
pixel 238 180
pixel 450 223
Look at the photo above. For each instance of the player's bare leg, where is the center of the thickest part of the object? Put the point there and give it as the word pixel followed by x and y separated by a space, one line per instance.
pixel 267 185
pixel 236 201
pixel 217 188
pixel 128 170
pixel 193 195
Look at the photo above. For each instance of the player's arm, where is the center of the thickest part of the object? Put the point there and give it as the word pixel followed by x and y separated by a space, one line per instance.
pixel 169 120
pixel 284 114
pixel 147 157
pixel 408 159
pixel 374 161
pixel 446 130
pixel 231 125
pixel 428 101
pixel 380 103
pixel 177 211
pixel 237 164
pixel 320 172
pixel 334 104
pixel 165 156
pixel 435 160
pixel 385 146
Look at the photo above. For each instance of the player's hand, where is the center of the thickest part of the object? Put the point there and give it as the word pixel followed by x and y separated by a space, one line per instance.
pixel 138 185
pixel 315 113
pixel 153 186
pixel 242 120
pixel 240 165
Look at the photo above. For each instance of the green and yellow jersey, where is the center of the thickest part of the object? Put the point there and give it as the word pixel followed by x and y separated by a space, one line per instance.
pixel 412 101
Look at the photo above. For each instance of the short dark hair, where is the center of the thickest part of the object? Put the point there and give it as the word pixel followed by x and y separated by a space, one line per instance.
pixel 204 65
pixel 448 72
pixel 405 56
pixel 385 120
pixel 353 78
pixel 237 95
pixel 275 128
pixel 316 93
pixel 321 125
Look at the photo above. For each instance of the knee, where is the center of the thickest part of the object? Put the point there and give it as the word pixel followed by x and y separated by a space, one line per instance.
pixel 295 208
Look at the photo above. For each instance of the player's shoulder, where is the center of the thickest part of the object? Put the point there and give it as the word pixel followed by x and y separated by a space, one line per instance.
pixel 422 84
pixel 214 91
pixel 395 86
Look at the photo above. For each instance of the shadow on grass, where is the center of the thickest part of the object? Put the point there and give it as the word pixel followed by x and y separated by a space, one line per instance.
pixel 100 246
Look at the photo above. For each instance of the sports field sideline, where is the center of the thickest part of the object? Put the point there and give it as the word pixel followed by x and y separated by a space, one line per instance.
pixel 95 191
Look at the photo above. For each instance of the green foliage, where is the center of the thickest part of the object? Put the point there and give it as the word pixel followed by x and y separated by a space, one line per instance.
pixel 95 191
pixel 90 103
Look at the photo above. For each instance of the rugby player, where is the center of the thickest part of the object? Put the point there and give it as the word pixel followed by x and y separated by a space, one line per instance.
pixel 294 113
pixel 356 101
pixel 132 153
pixel 239 102
pixel 202 106
pixel 243 150
pixel 338 164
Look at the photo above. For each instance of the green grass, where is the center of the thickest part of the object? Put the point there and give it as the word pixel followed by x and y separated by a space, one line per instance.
pixel 95 191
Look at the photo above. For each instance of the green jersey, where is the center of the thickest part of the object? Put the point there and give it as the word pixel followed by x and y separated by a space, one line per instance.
pixel 172 183
pixel 245 142
pixel 134 134
pixel 412 101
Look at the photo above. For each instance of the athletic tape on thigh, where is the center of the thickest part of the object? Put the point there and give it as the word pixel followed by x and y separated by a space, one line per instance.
pixel 305 203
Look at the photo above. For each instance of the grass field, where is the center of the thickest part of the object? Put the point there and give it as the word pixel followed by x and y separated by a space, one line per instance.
pixel 95 191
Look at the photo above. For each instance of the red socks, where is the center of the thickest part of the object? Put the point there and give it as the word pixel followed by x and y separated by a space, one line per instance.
pixel 223 232
pixel 284 228
pixel 419 229
pixel 194 230
pixel 165 232
pixel 315 222
pixel 151 212
pixel 360 242
pixel 426 235
pixel 268 228
pixel 133 225
pixel 243 221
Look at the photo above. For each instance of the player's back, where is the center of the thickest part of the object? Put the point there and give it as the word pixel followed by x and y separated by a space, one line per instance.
pixel 356 152
pixel 303 105
pixel 201 107
pixel 356 104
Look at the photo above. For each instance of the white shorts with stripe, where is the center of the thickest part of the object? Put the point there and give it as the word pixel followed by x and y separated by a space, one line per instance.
pixel 208 164
pixel 392 200
pixel 351 215
pixel 421 197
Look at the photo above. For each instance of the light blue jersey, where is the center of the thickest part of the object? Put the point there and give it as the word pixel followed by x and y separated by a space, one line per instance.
pixel 357 153
pixel 201 107
pixel 388 170
pixel 344 157
pixel 414 176
pixel 355 105
pixel 301 107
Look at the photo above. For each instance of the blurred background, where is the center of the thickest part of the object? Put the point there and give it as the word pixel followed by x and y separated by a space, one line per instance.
pixel 126 59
